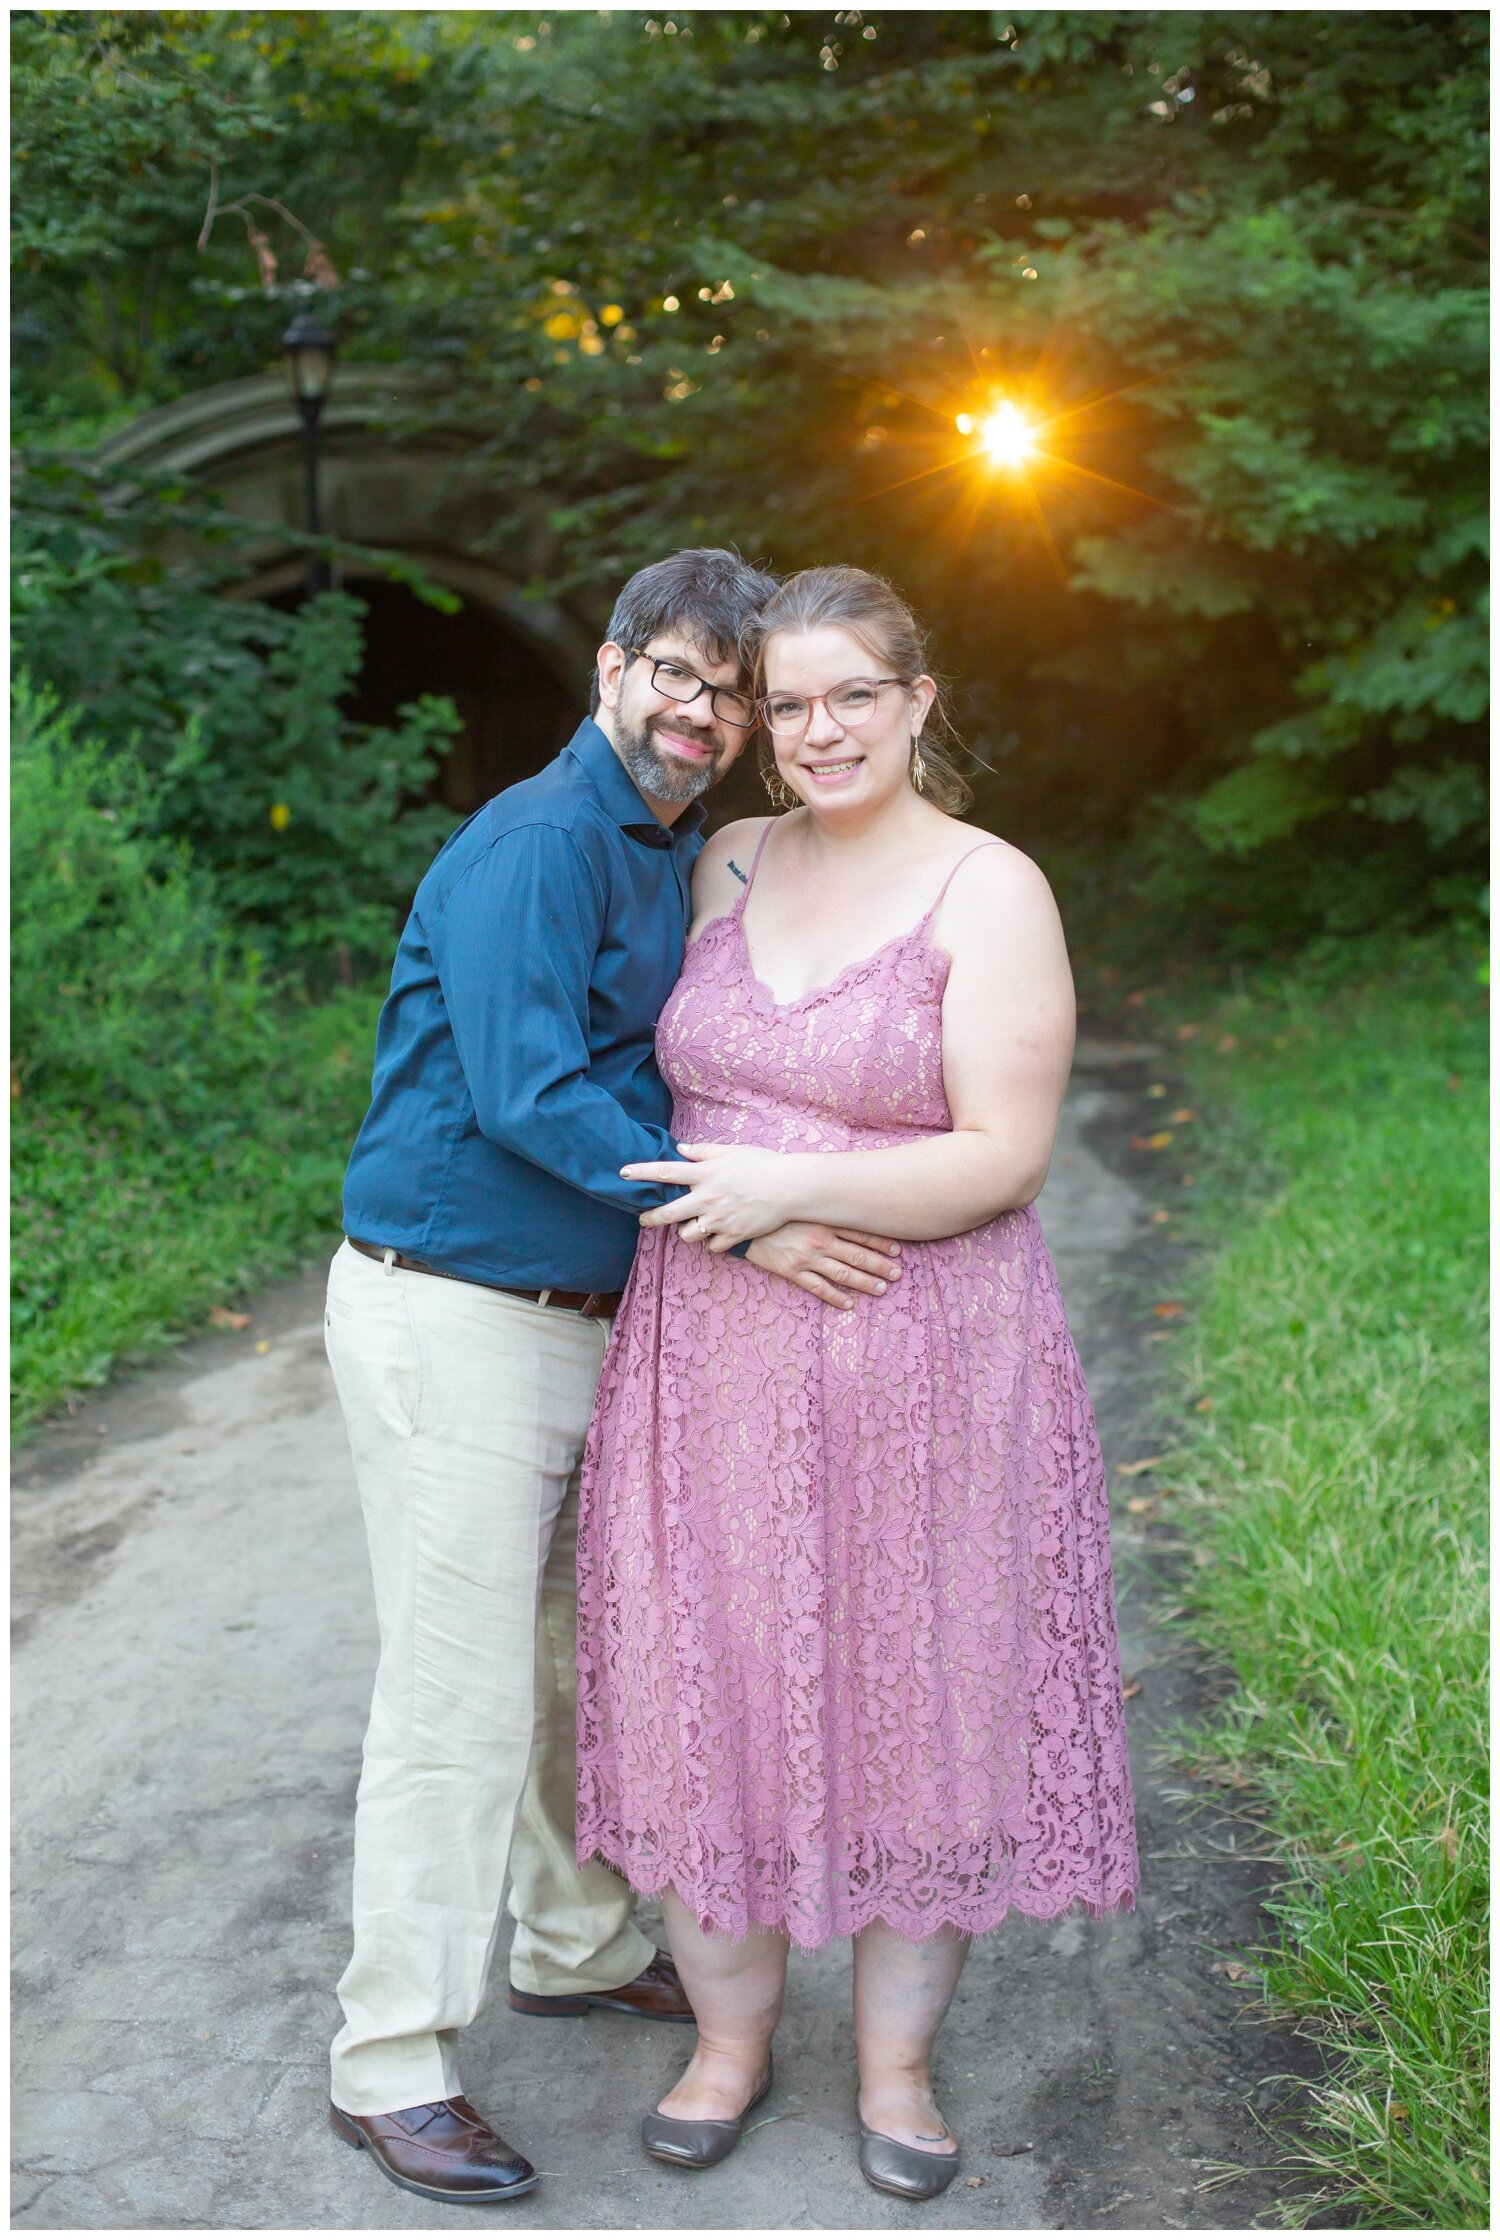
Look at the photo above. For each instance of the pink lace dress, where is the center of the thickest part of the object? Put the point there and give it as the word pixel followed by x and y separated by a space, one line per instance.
pixel 846 1622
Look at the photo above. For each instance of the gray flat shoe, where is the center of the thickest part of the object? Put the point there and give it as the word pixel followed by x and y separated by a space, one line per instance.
pixel 698 2146
pixel 904 2170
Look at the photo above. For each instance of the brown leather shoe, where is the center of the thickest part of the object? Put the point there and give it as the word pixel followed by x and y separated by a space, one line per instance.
pixel 444 2150
pixel 655 1996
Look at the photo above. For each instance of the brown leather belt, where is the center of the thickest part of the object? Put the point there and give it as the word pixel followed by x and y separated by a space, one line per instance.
pixel 579 1302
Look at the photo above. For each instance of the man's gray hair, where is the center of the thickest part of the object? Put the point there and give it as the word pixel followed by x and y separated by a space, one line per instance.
pixel 705 593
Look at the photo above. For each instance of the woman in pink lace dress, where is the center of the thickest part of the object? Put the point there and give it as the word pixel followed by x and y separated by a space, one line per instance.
pixel 847 1660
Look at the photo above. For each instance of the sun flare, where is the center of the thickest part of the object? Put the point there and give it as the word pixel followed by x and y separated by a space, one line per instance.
pixel 1007 435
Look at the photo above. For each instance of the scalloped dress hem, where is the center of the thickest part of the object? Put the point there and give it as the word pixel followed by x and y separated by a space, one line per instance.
pixel 916 1929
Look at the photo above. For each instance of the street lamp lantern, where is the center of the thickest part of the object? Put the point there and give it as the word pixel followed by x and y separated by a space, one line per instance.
pixel 307 353
pixel 308 347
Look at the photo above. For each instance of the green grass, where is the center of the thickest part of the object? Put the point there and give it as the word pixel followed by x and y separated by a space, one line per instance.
pixel 1332 1487
pixel 123 1238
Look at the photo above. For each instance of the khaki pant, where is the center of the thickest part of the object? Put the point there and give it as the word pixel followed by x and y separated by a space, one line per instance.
pixel 466 1411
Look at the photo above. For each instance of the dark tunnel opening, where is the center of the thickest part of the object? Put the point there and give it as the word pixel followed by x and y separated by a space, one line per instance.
pixel 515 710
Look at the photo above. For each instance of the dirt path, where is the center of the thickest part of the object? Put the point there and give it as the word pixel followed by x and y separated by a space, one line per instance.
pixel 195 1648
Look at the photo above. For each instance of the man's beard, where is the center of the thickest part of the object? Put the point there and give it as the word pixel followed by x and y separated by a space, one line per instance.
pixel 660 779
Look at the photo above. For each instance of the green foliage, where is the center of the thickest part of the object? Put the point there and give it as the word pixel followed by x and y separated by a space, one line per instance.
pixel 126 988
pixel 1334 1488
pixel 178 1127
pixel 305 819
pixel 307 824
pixel 128 127
pixel 124 1235
pixel 1233 266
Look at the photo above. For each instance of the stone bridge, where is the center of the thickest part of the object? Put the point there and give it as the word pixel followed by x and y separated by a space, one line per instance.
pixel 515 667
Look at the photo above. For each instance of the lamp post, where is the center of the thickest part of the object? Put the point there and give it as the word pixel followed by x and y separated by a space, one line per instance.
pixel 307 353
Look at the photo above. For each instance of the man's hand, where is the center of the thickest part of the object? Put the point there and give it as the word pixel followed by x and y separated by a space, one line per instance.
pixel 830 1263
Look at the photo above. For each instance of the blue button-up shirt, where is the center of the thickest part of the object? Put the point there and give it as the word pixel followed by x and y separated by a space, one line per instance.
pixel 515 1068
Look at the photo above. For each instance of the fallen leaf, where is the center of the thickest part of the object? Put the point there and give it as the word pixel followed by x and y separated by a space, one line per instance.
pixel 1138 1469
pixel 1142 1505
pixel 1026 2147
pixel 262 1345
pixel 1161 1214
pixel 1136 997
pixel 1182 1116
pixel 1399 2110
pixel 225 1318
pixel 974 2181
pixel 1157 1089
pixel 1227 1042
pixel 1186 1031
pixel 1454 1083
pixel 1133 1690
pixel 1167 1310
pixel 1204 1406
pixel 1449 1843
pixel 1156 1142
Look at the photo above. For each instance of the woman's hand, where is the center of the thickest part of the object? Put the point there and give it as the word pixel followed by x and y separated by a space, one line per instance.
pixel 733 1192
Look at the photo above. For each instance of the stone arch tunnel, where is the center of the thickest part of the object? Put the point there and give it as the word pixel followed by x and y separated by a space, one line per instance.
pixel 516 669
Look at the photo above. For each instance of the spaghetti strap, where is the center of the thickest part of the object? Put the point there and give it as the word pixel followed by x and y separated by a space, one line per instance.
pixel 953 874
pixel 760 849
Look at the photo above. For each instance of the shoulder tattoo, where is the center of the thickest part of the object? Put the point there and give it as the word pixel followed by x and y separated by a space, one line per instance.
pixel 740 875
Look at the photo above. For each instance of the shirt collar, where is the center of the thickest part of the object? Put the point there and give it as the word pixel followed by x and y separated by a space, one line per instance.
pixel 621 796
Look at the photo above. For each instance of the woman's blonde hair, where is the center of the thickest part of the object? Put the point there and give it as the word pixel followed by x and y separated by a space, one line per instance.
pixel 871 610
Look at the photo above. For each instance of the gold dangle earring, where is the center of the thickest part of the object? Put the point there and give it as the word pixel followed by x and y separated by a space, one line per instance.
pixel 782 796
pixel 918 766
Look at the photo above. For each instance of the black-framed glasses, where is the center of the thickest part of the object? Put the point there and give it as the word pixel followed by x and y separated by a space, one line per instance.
pixel 850 704
pixel 674 681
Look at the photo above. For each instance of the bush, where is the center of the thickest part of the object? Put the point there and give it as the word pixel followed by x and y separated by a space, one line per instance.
pixel 313 829
pixel 126 986
pixel 123 1236
pixel 180 1124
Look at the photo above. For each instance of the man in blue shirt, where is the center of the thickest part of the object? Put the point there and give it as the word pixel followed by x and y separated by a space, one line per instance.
pixel 489 1233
